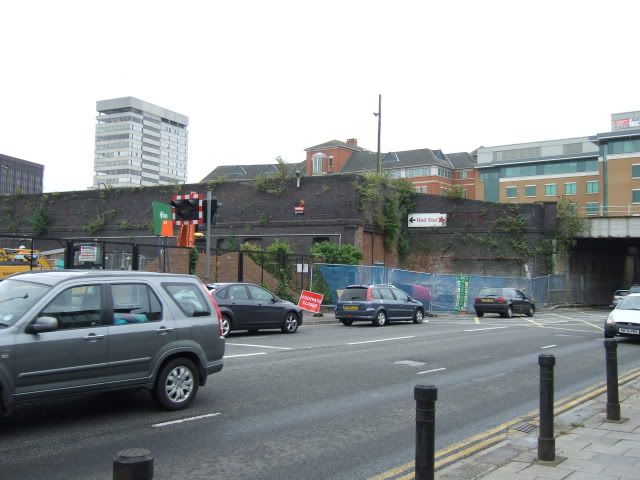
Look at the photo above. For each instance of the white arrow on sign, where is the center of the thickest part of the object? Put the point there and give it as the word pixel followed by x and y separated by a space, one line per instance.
pixel 427 220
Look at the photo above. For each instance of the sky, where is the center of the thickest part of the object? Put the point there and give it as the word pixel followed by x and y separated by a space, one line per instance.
pixel 261 79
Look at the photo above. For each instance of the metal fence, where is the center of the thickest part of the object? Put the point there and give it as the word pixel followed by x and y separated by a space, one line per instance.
pixel 452 292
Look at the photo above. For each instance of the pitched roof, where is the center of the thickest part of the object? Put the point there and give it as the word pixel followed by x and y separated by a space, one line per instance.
pixel 334 144
pixel 249 172
pixel 367 161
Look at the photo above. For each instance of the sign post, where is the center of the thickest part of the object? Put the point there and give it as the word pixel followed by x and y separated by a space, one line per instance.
pixel 462 290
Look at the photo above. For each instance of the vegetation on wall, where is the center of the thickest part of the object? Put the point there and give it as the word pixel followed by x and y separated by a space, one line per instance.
pixel 328 252
pixel 398 198
pixel 456 192
pixel 568 225
pixel 40 220
pixel 98 223
pixel 274 183
pixel 193 260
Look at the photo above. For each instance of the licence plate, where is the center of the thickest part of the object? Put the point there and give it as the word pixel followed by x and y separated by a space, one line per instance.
pixel 632 331
pixel 350 307
pixel 487 300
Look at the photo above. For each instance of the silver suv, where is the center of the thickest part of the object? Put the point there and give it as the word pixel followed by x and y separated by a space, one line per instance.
pixel 75 331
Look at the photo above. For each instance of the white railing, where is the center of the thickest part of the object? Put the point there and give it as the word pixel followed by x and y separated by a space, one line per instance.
pixel 599 210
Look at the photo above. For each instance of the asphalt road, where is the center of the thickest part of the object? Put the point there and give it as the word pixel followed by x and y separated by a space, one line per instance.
pixel 330 402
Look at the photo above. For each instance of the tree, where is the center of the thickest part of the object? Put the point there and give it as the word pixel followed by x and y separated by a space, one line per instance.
pixel 568 225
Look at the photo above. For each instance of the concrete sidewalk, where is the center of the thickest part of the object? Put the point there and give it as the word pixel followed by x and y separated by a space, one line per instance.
pixel 588 447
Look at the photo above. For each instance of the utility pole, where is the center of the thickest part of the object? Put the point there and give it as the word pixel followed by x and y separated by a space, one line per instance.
pixel 379 115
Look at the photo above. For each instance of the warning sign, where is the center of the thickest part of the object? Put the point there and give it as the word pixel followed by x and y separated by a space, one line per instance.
pixel 310 301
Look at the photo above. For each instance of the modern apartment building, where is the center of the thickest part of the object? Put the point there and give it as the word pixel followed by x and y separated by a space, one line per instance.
pixel 20 176
pixel 139 144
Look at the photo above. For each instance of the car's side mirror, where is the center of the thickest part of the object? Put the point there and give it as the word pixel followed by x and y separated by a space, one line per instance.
pixel 43 324
pixel 274 299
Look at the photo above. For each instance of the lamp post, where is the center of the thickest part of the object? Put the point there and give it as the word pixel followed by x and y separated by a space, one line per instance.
pixel 3 169
pixel 379 115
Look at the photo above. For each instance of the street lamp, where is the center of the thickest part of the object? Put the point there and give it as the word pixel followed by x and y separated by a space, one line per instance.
pixel 379 115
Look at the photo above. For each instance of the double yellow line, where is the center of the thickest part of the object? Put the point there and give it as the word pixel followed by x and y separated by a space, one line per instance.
pixel 493 436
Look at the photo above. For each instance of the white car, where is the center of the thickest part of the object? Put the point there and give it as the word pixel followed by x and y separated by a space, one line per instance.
pixel 624 320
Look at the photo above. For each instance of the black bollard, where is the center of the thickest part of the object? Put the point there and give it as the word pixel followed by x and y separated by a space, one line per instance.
pixel 546 442
pixel 613 402
pixel 425 397
pixel 133 464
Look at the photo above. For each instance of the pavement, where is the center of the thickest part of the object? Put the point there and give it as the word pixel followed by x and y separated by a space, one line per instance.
pixel 587 445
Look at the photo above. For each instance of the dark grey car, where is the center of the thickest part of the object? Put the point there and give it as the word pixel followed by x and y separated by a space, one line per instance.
pixel 67 332
pixel 245 306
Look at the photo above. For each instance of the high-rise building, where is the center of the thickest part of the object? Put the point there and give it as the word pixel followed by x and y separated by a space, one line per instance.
pixel 139 144
pixel 19 176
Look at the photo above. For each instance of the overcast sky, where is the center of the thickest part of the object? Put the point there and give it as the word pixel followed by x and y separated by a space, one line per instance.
pixel 259 79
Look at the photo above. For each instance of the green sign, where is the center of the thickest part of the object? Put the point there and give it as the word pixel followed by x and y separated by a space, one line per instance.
pixel 161 211
pixel 462 289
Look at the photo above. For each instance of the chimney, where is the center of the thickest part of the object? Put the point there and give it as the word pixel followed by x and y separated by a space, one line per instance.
pixel 352 142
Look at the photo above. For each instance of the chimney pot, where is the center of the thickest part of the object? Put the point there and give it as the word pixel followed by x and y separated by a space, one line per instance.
pixel 353 142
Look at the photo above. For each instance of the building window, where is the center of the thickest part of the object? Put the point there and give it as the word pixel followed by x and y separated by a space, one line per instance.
pixel 635 196
pixel 530 191
pixel 570 188
pixel 421 188
pixel 317 163
pixel 592 186
pixel 512 192
pixel 464 174
pixel 330 164
pixel 592 208
pixel 550 190
pixel 635 171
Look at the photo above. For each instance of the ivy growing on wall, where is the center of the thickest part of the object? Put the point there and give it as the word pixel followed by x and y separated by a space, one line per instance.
pixel 40 220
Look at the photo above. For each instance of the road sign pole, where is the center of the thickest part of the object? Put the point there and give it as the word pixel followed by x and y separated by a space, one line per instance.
pixel 208 237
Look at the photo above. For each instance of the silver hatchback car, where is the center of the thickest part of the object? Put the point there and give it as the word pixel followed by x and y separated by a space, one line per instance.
pixel 75 331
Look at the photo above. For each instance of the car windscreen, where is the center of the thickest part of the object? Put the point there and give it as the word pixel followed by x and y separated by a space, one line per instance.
pixel 16 297
pixel 490 292
pixel 629 303
pixel 350 294
pixel 621 293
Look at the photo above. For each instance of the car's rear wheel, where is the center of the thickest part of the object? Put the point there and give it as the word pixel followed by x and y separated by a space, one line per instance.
pixel 509 312
pixel 381 319
pixel 226 325
pixel 530 311
pixel 177 384
pixel 290 324
pixel 608 335
pixel 419 316
pixel 479 314
pixel 346 323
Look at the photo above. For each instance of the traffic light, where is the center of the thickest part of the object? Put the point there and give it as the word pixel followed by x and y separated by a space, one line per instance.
pixel 187 209
pixel 214 208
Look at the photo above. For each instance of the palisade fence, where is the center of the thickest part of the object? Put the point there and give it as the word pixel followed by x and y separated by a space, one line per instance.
pixel 279 272
pixel 453 292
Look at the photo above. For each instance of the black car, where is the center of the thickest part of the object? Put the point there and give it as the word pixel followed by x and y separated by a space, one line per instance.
pixel 379 304
pixel 505 301
pixel 245 306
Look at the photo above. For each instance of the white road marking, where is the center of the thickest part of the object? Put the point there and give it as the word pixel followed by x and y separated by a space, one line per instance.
pixel 381 340
pixel 481 329
pixel 410 363
pixel 431 371
pixel 245 355
pixel 182 420
pixel 259 346
pixel 548 346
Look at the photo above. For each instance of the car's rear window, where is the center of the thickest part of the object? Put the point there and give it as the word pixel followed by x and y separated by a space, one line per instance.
pixel 350 294
pixel 490 292
pixel 189 298
pixel 621 292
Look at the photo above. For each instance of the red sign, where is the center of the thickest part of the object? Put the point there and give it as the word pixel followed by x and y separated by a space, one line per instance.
pixel 310 301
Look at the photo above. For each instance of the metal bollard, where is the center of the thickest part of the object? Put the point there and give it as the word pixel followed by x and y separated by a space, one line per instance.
pixel 613 402
pixel 546 441
pixel 133 464
pixel 425 397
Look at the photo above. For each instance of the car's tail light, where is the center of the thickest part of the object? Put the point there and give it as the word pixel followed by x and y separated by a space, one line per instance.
pixel 369 295
pixel 501 300
pixel 478 300
pixel 216 308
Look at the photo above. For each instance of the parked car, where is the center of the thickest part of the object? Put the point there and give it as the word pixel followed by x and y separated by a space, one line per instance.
pixel 245 306
pixel 617 296
pixel 378 304
pixel 76 331
pixel 504 301
pixel 635 288
pixel 624 320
